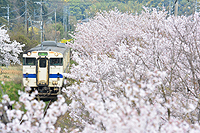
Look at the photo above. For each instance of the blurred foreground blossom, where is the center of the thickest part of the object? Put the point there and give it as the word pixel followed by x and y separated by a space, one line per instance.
pixel 33 119
pixel 2 82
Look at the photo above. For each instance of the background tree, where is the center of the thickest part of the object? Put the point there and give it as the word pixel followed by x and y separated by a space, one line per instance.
pixel 50 32
pixel 19 34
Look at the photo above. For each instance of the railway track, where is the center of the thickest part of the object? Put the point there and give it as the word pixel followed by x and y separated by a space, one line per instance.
pixel 45 111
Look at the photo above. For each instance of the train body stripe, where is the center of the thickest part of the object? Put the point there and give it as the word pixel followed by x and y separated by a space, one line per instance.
pixel 50 76
pixel 55 76
pixel 29 76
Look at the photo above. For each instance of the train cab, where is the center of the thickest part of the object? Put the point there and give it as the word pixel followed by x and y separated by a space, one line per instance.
pixel 43 67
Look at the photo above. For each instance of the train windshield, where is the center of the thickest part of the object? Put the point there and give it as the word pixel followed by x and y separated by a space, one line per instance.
pixel 43 62
pixel 56 61
pixel 29 61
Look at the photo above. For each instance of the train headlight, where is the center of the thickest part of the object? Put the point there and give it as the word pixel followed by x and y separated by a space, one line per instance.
pixel 56 54
pixel 29 53
pixel 54 82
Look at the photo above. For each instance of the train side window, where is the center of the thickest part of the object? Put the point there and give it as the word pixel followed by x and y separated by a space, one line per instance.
pixel 56 61
pixel 42 62
pixel 29 61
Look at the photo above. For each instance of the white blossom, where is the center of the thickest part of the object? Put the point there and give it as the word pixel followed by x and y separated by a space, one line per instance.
pixel 9 50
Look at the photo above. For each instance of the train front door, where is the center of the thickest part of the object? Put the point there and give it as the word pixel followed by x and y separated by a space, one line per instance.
pixel 42 72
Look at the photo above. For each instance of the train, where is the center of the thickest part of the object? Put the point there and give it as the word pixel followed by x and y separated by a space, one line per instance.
pixel 43 68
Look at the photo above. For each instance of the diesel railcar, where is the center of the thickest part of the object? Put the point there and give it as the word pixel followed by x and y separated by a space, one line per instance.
pixel 43 67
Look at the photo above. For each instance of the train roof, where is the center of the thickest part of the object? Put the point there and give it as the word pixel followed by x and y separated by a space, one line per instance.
pixel 50 46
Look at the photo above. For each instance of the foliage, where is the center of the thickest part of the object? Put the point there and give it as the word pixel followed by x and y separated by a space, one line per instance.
pixel 50 32
pixel 18 9
pixel 11 89
pixel 18 34
pixel 3 12
pixel 3 21
pixel 88 9
pixel 65 41
pixel 34 30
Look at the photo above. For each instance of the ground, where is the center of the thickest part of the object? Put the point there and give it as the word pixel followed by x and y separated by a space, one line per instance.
pixel 11 73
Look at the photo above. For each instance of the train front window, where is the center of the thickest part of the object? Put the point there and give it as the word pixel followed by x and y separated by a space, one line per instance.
pixel 29 61
pixel 42 62
pixel 56 61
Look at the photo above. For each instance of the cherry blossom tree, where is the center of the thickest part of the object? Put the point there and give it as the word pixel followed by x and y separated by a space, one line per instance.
pixel 136 73
pixel 9 50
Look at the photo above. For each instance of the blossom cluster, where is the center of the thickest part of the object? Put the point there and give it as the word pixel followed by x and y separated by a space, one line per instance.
pixel 9 50
pixel 32 119
pixel 136 73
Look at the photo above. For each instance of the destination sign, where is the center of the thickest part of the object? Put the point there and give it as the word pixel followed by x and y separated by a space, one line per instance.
pixel 42 53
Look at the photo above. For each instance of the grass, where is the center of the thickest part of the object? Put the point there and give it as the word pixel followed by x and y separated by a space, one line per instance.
pixel 73 62
pixel 12 81
pixel 11 89
pixel 12 67
pixel 13 73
